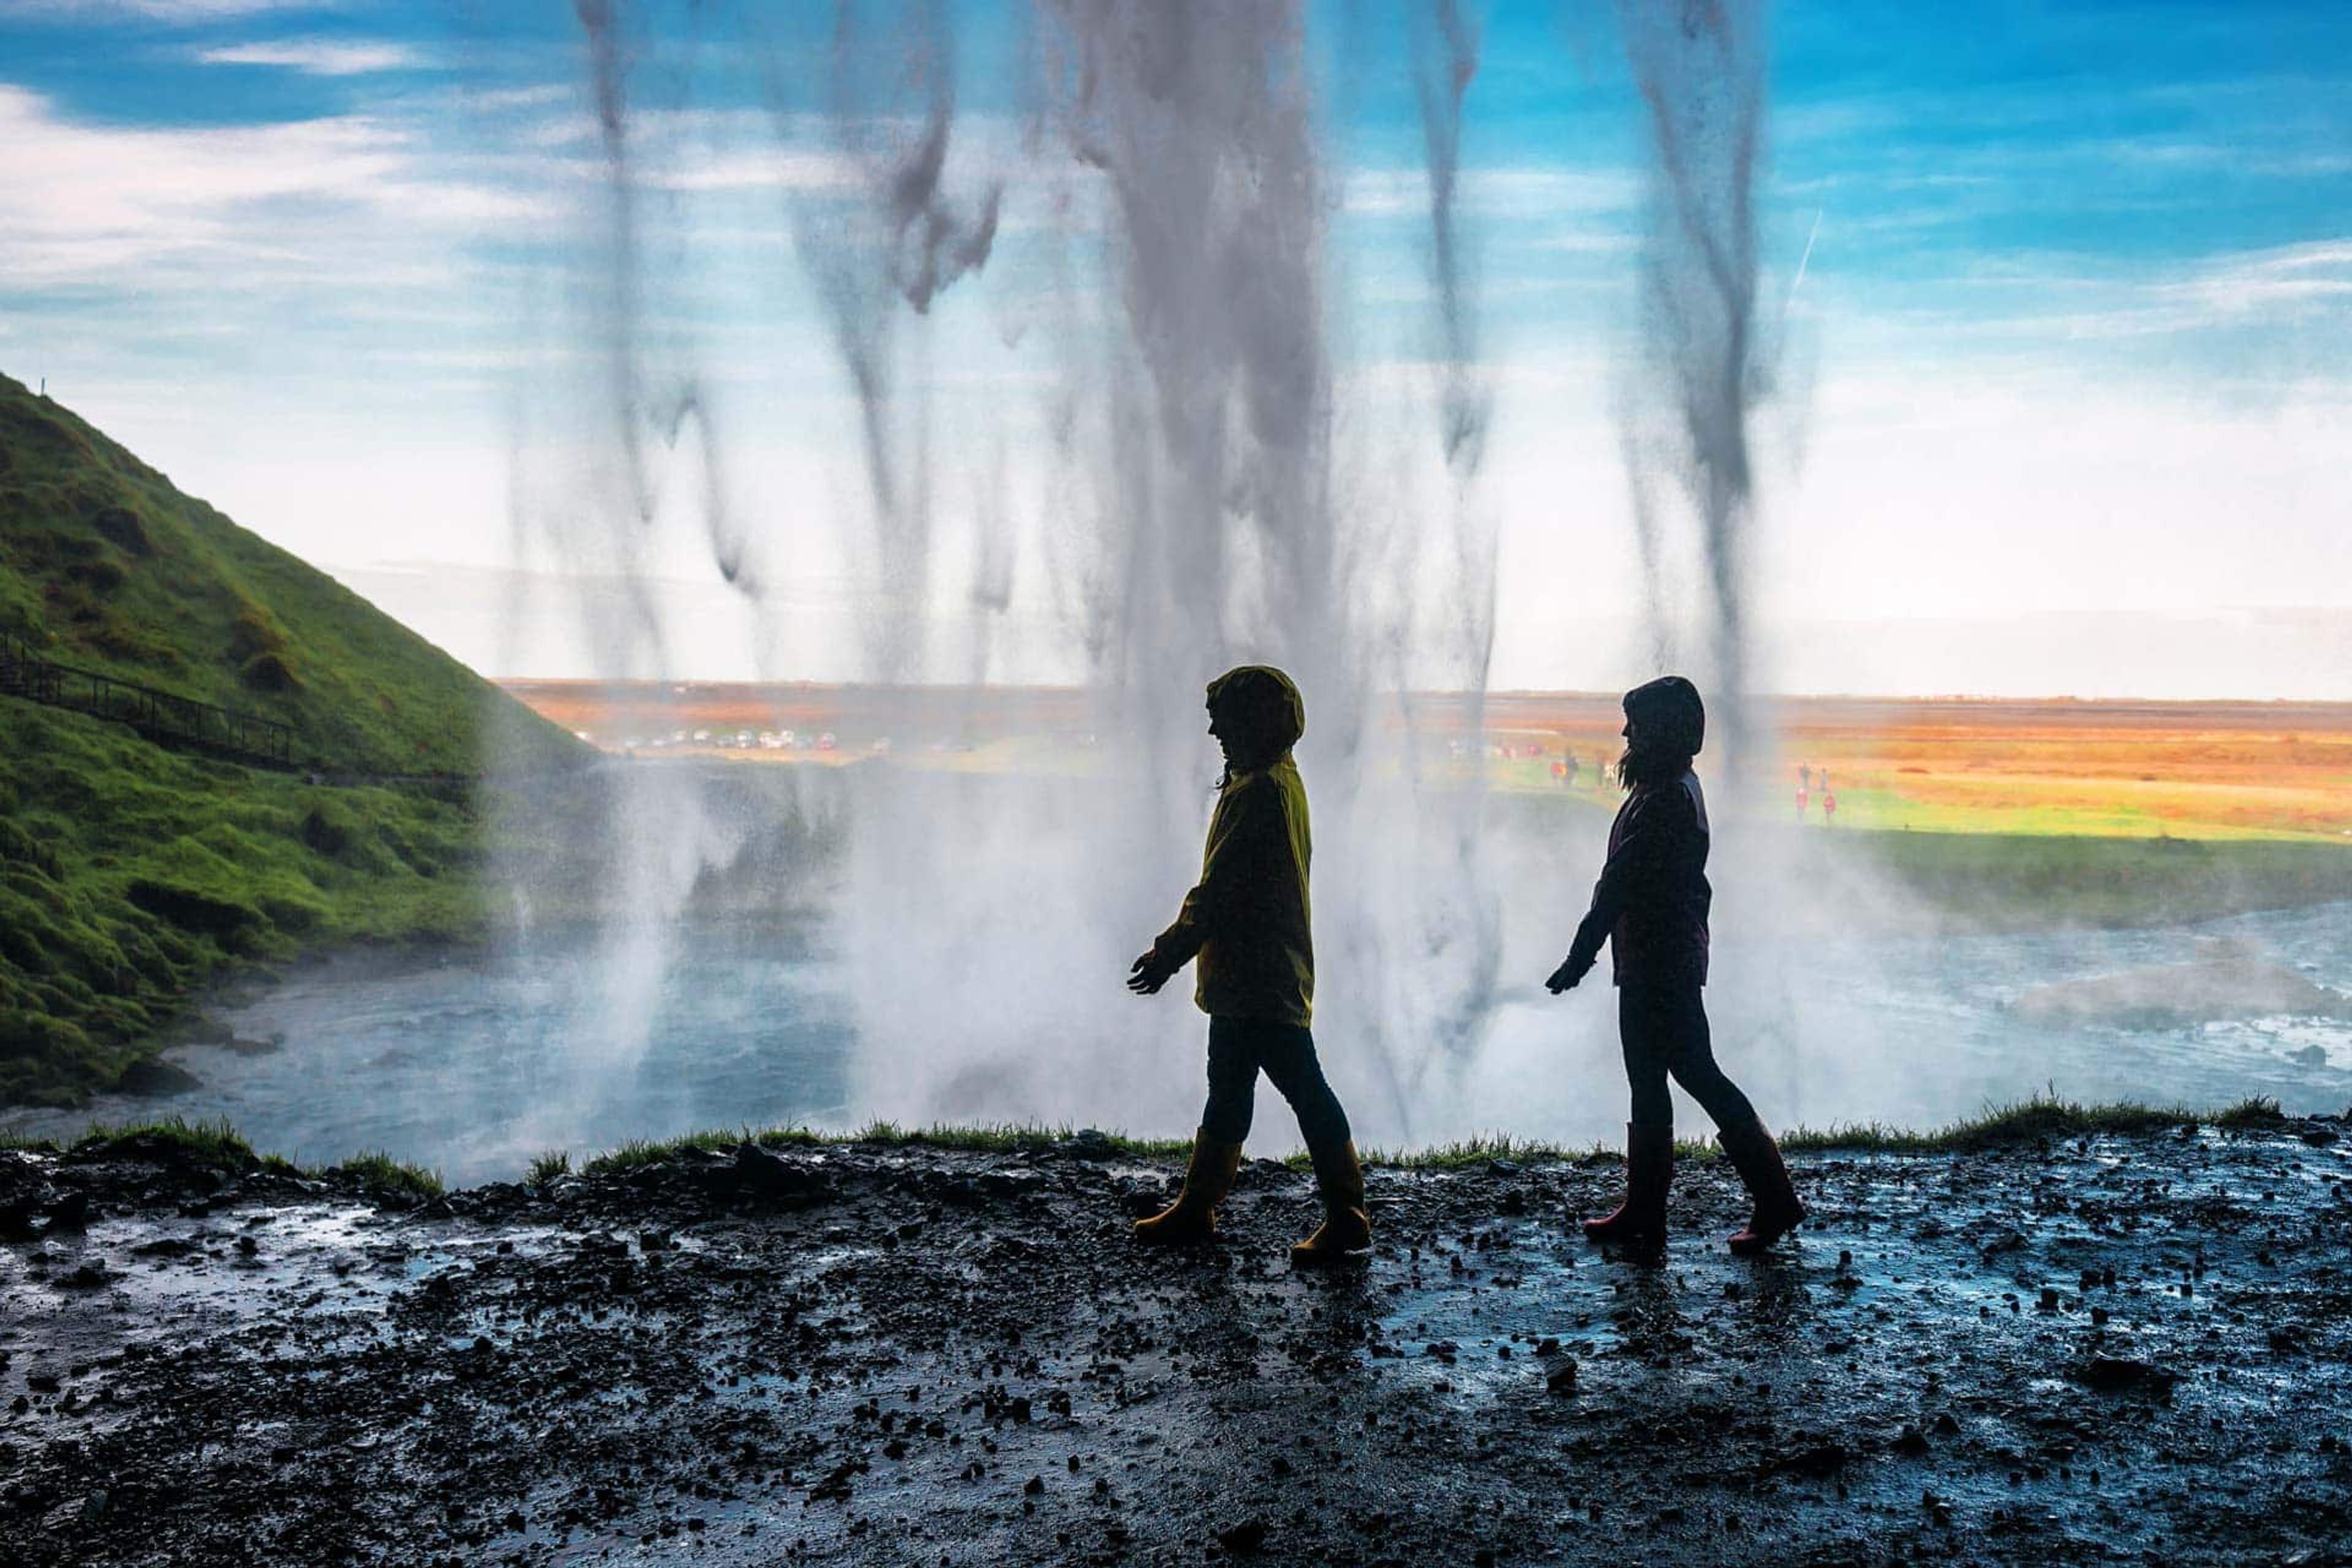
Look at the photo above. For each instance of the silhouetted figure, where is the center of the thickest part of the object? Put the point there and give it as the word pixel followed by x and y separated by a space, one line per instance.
pixel 1804 776
pixel 1650 907
pixel 1248 922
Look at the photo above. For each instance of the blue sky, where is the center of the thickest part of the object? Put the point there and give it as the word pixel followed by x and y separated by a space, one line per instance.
pixel 2059 299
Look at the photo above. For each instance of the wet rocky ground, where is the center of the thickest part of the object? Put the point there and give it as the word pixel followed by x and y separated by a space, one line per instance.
pixel 2092 1351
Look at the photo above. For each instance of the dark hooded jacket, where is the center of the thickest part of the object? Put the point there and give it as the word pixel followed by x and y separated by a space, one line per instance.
pixel 1249 920
pixel 1651 904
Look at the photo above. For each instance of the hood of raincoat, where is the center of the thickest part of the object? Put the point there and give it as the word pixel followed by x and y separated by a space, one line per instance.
pixel 1672 718
pixel 1264 705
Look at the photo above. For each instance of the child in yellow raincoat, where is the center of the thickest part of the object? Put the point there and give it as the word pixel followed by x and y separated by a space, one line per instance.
pixel 1247 928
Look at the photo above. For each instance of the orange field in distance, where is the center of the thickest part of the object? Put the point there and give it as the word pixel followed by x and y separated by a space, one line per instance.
pixel 2137 769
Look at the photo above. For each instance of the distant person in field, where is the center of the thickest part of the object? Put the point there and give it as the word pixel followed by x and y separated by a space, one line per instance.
pixel 1568 771
pixel 1804 776
pixel 1248 924
pixel 1651 906
pixel 1829 808
pixel 1801 799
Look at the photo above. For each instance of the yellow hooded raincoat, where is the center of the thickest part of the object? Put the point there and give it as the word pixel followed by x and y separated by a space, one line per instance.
pixel 1249 920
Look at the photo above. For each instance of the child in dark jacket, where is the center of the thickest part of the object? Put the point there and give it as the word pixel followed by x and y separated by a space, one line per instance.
pixel 1651 906
pixel 1247 923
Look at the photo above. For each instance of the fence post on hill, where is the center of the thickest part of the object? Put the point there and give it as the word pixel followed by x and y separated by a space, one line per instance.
pixel 165 716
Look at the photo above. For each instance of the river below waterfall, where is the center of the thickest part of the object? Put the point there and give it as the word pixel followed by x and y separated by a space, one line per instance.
pixel 471 1063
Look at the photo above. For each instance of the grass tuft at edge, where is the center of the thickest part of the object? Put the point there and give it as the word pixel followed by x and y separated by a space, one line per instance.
pixel 217 1146
pixel 2040 1119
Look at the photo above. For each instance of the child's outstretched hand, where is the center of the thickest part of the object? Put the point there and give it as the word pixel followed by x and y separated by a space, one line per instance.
pixel 1565 977
pixel 1149 975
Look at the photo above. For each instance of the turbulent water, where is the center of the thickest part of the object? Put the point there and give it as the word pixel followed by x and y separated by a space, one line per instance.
pixel 457 1064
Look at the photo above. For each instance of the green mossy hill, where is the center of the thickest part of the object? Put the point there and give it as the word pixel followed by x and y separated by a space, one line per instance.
pixel 105 566
pixel 129 874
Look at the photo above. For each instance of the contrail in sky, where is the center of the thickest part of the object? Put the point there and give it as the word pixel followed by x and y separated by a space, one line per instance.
pixel 1811 236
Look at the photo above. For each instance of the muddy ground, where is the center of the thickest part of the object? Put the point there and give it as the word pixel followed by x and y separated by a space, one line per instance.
pixel 2112 1349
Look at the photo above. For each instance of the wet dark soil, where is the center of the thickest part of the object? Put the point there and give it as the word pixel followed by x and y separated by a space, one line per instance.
pixel 2110 1349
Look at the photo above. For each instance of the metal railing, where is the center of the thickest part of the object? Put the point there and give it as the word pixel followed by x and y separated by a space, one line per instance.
pixel 160 715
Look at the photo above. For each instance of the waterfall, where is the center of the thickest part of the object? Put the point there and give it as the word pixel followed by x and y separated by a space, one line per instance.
pixel 1699 68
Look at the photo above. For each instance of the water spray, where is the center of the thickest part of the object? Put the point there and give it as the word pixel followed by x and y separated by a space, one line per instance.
pixel 1698 66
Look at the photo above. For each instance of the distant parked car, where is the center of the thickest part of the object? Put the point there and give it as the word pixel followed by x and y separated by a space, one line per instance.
pixel 826 742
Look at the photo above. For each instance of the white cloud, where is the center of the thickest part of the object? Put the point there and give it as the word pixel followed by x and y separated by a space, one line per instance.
pixel 2286 277
pixel 179 12
pixel 319 56
pixel 2282 313
pixel 92 204
pixel 87 199
pixel 326 269
pixel 1499 194
pixel 763 168
pixel 503 99
pixel 1588 243
pixel 2306 287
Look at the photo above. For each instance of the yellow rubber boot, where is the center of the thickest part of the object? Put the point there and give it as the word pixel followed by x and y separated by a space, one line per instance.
pixel 1346 1232
pixel 1192 1219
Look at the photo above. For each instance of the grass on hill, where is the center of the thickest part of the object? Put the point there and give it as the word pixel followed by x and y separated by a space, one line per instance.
pixel 105 566
pixel 130 873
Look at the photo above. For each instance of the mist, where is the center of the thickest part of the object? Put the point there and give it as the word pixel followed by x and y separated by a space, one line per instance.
pixel 1129 247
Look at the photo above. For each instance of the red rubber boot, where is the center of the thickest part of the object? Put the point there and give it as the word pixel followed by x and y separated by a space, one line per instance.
pixel 1757 1158
pixel 1640 1219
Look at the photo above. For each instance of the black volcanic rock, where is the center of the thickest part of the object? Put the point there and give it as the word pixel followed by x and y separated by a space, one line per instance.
pixel 763 1173
pixel 594 1367
pixel 155 1077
